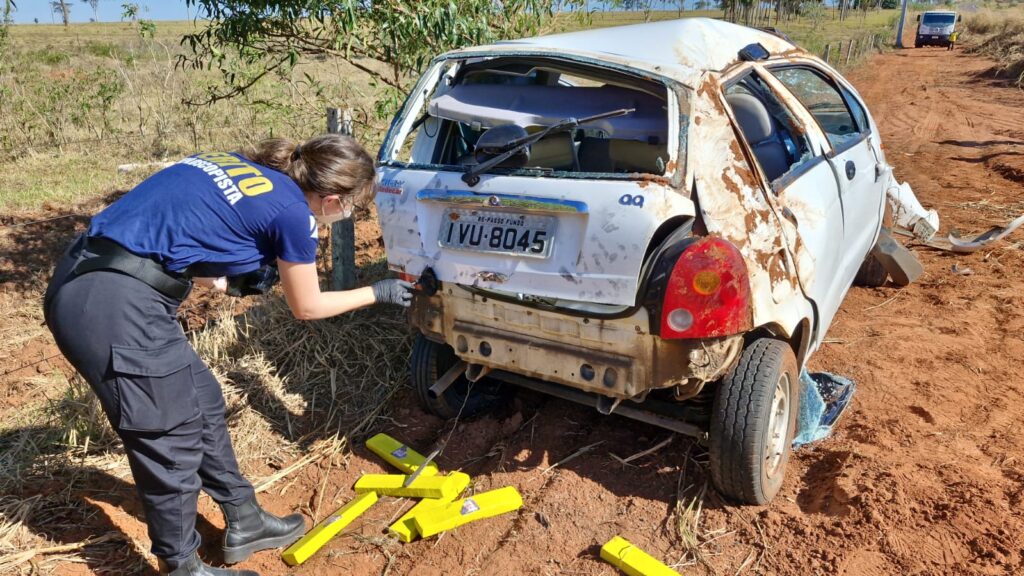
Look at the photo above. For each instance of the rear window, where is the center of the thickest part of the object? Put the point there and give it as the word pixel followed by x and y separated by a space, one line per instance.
pixel 524 96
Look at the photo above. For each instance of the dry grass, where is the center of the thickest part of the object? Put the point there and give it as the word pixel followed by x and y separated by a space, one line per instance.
pixel 296 393
pixel 1000 36
pixel 689 507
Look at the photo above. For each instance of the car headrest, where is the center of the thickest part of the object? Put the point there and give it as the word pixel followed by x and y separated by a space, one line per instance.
pixel 752 116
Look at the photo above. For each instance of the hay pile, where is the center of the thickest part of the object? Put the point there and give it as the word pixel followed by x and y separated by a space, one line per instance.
pixel 290 384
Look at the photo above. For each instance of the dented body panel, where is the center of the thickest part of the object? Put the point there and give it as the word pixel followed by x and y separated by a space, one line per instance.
pixel 619 358
pixel 790 232
pixel 601 238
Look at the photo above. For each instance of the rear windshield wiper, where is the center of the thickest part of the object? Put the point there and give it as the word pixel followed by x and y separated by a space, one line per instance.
pixel 472 175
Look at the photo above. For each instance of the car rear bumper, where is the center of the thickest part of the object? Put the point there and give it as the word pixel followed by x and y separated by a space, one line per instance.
pixel 618 358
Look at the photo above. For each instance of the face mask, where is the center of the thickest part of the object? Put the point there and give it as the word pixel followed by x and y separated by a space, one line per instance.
pixel 332 218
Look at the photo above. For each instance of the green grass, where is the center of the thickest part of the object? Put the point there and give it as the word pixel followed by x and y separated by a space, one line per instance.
pixel 60 179
pixel 79 101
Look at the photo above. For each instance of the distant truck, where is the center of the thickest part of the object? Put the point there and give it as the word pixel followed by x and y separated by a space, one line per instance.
pixel 934 28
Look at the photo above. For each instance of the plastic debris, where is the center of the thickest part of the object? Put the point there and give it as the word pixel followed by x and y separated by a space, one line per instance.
pixel 823 399
pixel 633 561
pixel 980 241
pixel 961 270
pixel 908 213
pixel 901 264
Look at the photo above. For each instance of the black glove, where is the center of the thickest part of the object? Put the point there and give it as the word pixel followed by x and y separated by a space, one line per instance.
pixel 253 283
pixel 392 292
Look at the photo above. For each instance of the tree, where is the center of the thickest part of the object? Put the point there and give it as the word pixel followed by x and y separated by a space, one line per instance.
pixel 389 40
pixel 5 23
pixel 130 10
pixel 95 5
pixel 61 7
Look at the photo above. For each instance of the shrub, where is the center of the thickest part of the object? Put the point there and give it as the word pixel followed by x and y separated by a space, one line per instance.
pixel 50 56
pixel 105 50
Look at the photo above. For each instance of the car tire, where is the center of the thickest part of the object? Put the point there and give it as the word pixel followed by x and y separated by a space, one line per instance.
pixel 429 361
pixel 753 421
pixel 871 273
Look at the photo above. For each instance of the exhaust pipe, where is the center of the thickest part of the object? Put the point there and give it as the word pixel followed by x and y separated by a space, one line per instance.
pixel 475 372
pixel 444 382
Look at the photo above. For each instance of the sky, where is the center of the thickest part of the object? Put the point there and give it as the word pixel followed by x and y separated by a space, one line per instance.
pixel 109 10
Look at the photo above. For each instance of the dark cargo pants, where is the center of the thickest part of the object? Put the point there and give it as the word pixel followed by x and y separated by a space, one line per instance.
pixel 159 396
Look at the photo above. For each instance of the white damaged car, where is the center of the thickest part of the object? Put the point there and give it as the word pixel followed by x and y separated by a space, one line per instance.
pixel 659 220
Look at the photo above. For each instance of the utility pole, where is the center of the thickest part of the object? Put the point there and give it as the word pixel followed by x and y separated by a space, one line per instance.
pixel 899 28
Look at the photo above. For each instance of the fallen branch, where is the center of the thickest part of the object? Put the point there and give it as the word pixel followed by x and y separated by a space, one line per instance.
pixel 643 453
pixel 12 560
pixel 575 454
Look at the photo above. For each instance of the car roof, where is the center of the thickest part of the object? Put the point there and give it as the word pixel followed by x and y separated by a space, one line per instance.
pixel 683 49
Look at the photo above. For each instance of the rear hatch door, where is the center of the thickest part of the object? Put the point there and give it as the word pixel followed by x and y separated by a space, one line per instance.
pixel 542 237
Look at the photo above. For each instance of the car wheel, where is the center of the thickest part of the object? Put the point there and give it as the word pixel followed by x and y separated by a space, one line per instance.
pixel 753 422
pixel 429 361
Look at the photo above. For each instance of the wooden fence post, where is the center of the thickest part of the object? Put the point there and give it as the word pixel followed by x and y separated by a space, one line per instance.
pixel 828 52
pixel 343 232
pixel 849 51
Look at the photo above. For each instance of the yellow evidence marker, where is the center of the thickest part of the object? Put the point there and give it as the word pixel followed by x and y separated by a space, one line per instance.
pixel 315 539
pixel 422 487
pixel 483 505
pixel 633 561
pixel 399 455
pixel 405 527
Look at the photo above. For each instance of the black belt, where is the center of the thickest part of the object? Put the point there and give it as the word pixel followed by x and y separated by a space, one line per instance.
pixel 112 256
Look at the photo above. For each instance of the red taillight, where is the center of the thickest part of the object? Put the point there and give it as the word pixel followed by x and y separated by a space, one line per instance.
pixel 708 292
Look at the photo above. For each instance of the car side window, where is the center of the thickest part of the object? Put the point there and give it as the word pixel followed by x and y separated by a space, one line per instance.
pixel 768 127
pixel 823 100
pixel 858 111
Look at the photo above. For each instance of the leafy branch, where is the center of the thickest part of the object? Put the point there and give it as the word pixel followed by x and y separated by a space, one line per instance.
pixel 389 40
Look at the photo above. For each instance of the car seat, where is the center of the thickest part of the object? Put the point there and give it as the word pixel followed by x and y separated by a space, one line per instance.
pixel 760 131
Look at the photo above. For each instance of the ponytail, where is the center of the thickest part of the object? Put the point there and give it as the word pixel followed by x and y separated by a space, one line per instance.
pixel 326 164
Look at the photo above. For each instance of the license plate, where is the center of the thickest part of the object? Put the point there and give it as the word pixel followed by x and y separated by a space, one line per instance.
pixel 497 232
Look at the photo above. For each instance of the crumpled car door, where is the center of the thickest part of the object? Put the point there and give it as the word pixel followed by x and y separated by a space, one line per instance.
pixel 854 159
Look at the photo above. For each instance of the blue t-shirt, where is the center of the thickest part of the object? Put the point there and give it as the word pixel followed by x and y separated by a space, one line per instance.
pixel 217 214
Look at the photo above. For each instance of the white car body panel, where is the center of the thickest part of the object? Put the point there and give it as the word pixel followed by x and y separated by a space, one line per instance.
pixel 597 255
pixel 601 248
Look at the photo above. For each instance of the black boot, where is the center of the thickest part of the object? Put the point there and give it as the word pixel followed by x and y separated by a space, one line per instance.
pixel 251 529
pixel 196 567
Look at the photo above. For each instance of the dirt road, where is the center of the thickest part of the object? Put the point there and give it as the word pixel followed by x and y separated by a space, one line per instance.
pixel 925 474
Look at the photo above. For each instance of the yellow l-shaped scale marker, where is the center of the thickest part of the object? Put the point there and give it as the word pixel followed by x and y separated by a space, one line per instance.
pixel 478 507
pixel 394 485
pixel 633 561
pixel 315 539
pixel 399 455
pixel 405 527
